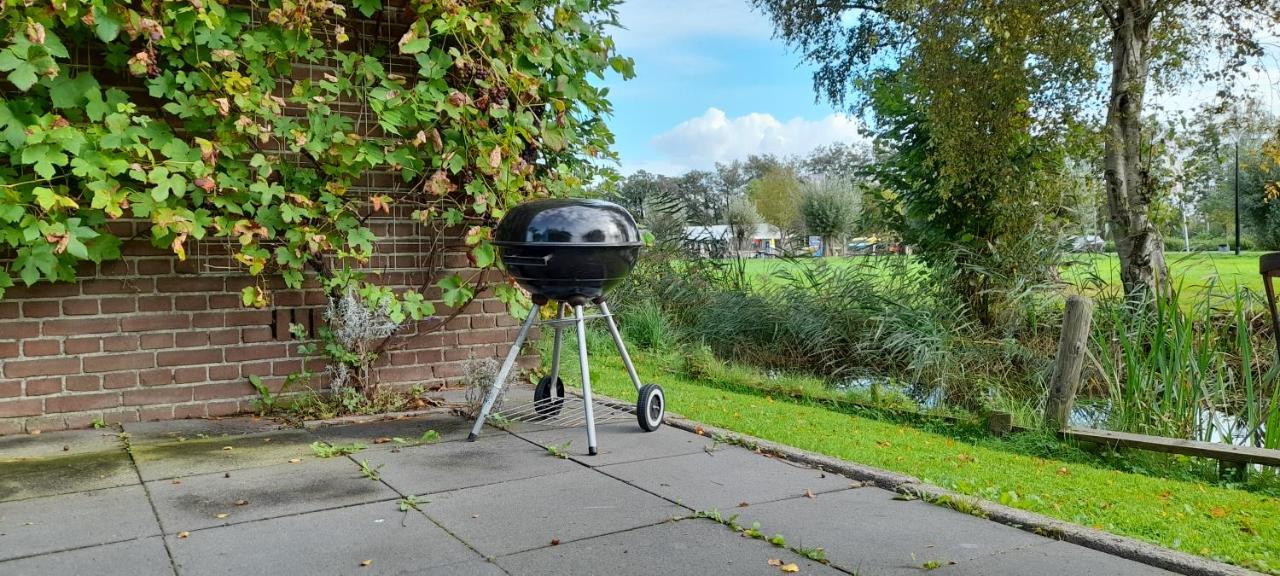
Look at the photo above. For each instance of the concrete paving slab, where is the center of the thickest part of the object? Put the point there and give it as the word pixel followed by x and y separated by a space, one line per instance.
pixel 268 492
pixel 865 530
pixel 205 455
pixel 41 525
pixel 142 557
pixel 1051 559
pixel 40 476
pixel 724 478
pixel 621 442
pixel 520 515
pixel 327 542
pixel 63 443
pixel 497 457
pixel 687 547
pixel 449 427
pixel 474 568
pixel 164 432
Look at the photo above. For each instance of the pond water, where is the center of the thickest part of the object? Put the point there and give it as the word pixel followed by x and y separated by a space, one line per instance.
pixel 1212 425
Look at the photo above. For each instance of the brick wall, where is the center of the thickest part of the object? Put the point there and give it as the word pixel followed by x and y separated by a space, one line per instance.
pixel 151 338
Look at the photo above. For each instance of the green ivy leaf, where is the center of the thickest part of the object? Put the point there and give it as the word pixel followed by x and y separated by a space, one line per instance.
pixel 368 7
pixel 455 292
pixel 484 254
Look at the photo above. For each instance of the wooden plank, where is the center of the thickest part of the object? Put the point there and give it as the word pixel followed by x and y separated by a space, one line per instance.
pixel 1214 450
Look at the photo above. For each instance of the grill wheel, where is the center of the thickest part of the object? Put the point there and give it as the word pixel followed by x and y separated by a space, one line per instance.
pixel 650 407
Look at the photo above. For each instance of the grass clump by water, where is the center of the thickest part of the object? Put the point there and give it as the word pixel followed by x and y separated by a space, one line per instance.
pixel 1030 471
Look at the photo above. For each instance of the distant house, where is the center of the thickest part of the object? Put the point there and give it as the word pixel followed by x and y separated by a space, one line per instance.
pixel 717 240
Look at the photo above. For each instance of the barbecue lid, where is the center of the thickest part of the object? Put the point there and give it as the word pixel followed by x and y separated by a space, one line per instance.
pixel 568 222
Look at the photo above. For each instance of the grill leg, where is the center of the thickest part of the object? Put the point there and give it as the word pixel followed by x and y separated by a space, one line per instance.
pixel 555 347
pixel 507 365
pixel 622 349
pixel 586 380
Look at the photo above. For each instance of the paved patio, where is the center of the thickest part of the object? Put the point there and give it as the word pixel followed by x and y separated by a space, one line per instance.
pixel 239 496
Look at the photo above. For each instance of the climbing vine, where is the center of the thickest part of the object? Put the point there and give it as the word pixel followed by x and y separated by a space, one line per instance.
pixel 260 123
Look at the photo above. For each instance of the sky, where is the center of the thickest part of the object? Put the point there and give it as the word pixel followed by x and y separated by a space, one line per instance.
pixel 712 85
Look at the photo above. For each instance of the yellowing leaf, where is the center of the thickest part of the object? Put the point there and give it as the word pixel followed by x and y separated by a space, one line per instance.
pixel 790 567
pixel 183 534
pixel 366 563
pixel 221 515
pixel 775 562
pixel 1218 512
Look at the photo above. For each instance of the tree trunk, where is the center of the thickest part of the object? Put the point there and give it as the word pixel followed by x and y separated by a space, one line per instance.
pixel 1129 191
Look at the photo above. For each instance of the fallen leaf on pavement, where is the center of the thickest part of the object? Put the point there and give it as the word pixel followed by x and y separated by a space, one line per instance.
pixel 242 502
pixel 743 504
pixel 699 431
pixel 381 440
pixel 790 567
pixel 366 563
pixel 221 515
pixel 775 562
pixel 226 447
pixel 555 541
pixel 294 460
pixel 183 534
pixel 809 494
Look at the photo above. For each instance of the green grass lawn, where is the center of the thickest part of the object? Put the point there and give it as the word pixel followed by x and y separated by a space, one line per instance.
pixel 1192 272
pixel 1028 471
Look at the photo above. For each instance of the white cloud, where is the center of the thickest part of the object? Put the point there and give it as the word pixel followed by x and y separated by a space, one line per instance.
pixel 658 23
pixel 702 141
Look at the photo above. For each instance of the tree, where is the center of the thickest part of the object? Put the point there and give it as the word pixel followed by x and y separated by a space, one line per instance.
pixel 742 218
pixel 829 208
pixel 776 196
pixel 847 161
pixel 1058 45
pixel 635 190
pixel 701 197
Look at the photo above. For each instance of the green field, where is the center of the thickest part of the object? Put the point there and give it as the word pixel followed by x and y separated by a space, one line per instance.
pixel 1192 273
pixel 1027 471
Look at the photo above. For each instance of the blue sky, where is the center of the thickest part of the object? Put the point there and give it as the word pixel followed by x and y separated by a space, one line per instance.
pixel 712 85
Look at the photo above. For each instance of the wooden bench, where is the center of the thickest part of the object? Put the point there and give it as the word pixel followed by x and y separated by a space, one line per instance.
pixel 1214 450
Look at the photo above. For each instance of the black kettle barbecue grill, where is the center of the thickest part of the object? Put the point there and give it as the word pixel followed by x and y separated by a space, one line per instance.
pixel 570 252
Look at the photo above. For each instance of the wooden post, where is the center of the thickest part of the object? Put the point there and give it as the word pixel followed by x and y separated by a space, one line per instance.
pixel 1066 367
pixel 999 423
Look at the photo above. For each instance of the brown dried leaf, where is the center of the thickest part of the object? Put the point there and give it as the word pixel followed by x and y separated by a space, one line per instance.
pixel 242 502
pixel 183 534
pixel 775 562
pixel 790 567
pixel 809 494
pixel 365 563
pixel 294 460
pixel 381 440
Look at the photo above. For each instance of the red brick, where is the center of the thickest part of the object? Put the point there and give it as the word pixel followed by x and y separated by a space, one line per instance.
pixel 79 307
pixel 216 409
pixel 255 369
pixel 169 285
pixel 83 383
pixel 208 320
pixel 120 416
pixel 20 330
pixel 256 334
pixel 224 372
pixel 190 339
pixel 120 380
pixel 248 318
pixel 225 390
pixel 191 302
pixel 492 306
pixel 189 357
pixel 482 337
pixel 191 375
pixel 119 305
pixel 153 341
pixel 483 321
pixel 97 286
pixel 115 362
pixel 8 349
pixel 285 367
pixel 8 310
pixel 82 345
pixel 156 396
pixel 217 301
pixel 43 386
pixel 10 388
pixel 41 309
pixel 224 337
pixel 189 411
pixel 404 374
pixel 12 408
pixel 155 304
pixel 43 290
pixel 155 322
pixel 450 370
pixel 81 402
pixel 41 348
pixel 154 413
pixel 154 266
pixel 79 326
pixel 122 343
pixel 258 352
pixel 158 377
pixel 45 367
